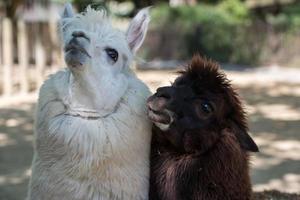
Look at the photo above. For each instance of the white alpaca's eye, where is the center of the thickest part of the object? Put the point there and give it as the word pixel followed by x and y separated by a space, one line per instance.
pixel 112 53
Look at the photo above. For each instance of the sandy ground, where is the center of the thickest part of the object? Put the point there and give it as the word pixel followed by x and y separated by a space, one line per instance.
pixel 272 98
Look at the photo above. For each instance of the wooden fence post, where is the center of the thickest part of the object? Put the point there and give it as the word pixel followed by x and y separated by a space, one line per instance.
pixel 1 55
pixel 55 40
pixel 23 57
pixel 7 41
pixel 40 60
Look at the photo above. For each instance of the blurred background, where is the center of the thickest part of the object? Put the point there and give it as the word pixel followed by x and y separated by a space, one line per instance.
pixel 257 43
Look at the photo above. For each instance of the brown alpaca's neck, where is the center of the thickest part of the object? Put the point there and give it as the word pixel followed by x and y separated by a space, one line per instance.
pixel 221 173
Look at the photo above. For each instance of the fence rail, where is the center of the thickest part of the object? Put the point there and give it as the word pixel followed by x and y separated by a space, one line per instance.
pixel 28 53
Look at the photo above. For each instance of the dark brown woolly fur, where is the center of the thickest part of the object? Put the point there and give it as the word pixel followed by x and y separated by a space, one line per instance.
pixel 203 155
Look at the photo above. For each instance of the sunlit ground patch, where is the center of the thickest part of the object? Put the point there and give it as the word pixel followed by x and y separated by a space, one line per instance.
pixel 289 183
pixel 5 140
pixel 13 180
pixel 275 111
pixel 283 89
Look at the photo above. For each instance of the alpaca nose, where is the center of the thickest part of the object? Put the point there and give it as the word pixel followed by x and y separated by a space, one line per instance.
pixel 80 34
pixel 165 92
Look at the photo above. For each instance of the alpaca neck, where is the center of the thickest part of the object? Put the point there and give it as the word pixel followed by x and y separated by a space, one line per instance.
pixel 87 97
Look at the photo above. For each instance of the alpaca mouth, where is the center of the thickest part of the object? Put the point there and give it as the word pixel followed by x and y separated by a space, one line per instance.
pixel 161 117
pixel 74 47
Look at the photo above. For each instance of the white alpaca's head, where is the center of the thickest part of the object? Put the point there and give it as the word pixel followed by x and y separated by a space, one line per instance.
pixel 98 56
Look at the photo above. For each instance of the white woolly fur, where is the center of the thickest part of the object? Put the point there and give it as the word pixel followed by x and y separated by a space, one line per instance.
pixel 82 153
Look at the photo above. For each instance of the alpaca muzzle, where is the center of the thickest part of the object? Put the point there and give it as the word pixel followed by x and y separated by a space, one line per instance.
pixel 75 46
pixel 157 111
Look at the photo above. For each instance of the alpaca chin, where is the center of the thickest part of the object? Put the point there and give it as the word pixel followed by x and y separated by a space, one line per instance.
pixel 75 59
pixel 163 127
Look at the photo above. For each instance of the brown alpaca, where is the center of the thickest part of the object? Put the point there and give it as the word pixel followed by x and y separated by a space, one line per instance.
pixel 200 142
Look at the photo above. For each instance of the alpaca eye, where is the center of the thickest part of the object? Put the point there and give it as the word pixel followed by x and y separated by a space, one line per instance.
pixel 207 107
pixel 112 53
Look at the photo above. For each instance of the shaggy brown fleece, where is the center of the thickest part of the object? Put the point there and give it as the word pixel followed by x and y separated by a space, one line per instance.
pixel 202 151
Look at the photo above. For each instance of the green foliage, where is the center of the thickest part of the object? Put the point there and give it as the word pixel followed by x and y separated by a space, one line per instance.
pixel 226 31
pixel 236 8
pixel 82 4
pixel 287 20
pixel 214 31
pixel 211 1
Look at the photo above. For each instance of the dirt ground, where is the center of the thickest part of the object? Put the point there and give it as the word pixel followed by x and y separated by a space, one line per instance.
pixel 272 98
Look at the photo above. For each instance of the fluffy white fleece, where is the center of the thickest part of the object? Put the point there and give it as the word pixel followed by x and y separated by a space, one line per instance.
pixel 94 157
pixel 92 136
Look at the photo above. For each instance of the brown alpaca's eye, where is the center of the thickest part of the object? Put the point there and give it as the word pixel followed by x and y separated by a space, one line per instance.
pixel 112 53
pixel 207 107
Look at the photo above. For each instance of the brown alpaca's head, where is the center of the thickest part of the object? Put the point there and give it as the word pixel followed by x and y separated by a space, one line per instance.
pixel 198 107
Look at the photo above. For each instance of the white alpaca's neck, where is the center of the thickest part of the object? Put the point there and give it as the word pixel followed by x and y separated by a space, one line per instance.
pixel 89 97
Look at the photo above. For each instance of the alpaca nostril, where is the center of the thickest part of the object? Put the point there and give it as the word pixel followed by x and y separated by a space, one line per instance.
pixel 77 34
pixel 163 95
pixel 164 92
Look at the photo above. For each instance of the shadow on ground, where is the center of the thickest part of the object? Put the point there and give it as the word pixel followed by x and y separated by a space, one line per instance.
pixel 274 117
pixel 15 150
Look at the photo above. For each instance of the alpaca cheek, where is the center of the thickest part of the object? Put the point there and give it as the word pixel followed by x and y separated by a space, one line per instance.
pixel 97 51
pixel 175 137
pixel 124 61
pixel 196 143
pixel 190 143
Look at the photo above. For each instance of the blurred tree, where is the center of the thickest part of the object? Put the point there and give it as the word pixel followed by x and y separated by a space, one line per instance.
pixel 210 1
pixel 215 1
pixel 138 4
pixel 182 2
pixel 11 6
pixel 82 4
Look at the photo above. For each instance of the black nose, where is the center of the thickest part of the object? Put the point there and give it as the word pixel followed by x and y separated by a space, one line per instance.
pixel 165 92
pixel 80 34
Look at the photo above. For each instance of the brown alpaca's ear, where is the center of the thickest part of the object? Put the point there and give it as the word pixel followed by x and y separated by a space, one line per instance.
pixel 245 139
pixel 247 142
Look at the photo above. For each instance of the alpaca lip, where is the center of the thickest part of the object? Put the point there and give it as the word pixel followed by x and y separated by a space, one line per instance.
pixel 71 47
pixel 159 116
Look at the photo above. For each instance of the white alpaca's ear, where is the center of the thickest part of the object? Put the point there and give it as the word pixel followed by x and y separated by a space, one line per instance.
pixel 68 11
pixel 137 29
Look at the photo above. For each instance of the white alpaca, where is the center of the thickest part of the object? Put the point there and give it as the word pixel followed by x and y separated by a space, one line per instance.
pixel 92 133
